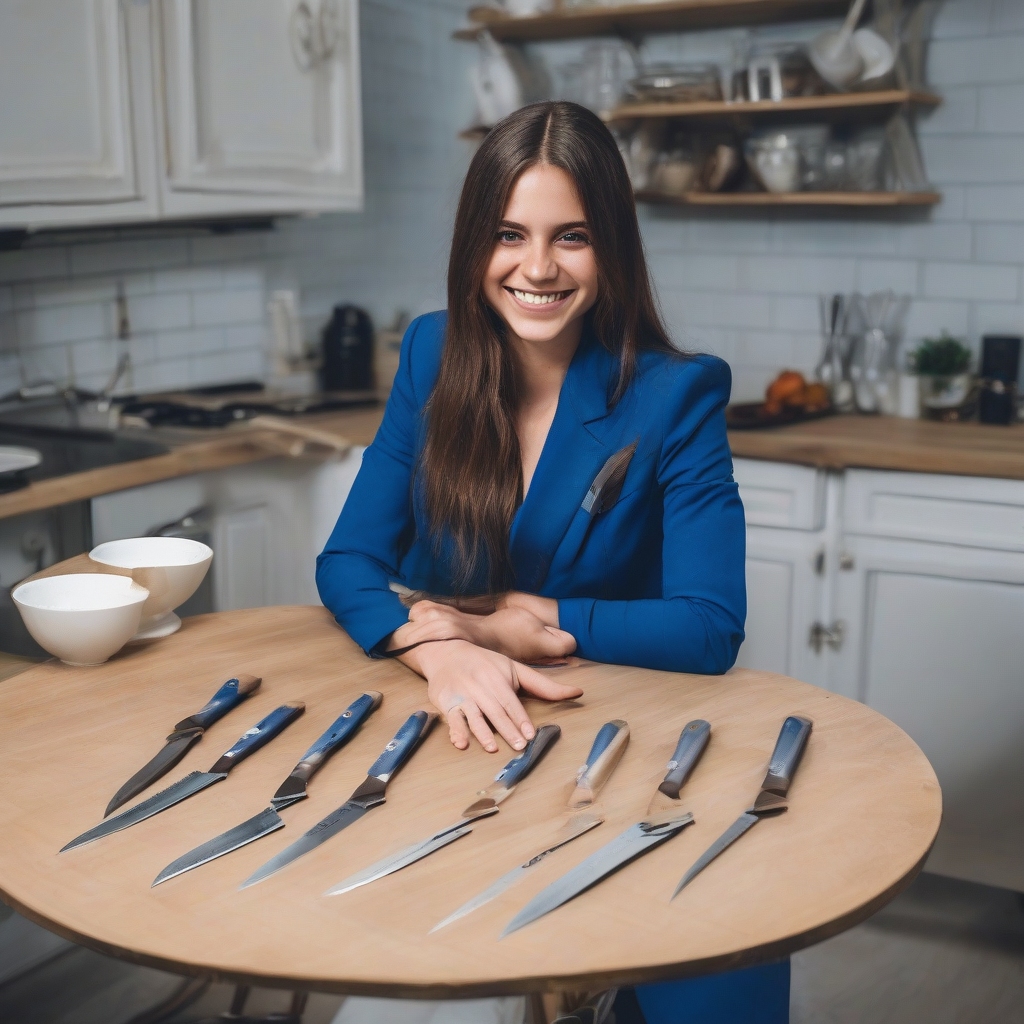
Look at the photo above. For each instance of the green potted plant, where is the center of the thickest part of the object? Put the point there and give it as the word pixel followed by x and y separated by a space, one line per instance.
pixel 943 368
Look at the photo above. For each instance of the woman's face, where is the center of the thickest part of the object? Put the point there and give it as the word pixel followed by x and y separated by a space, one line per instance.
pixel 542 276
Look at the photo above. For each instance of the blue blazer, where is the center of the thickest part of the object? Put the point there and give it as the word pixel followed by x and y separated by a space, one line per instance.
pixel 656 580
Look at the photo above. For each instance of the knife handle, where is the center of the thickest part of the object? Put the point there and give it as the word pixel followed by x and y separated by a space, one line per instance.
pixel 231 694
pixel 692 741
pixel 609 746
pixel 340 732
pixel 259 735
pixel 789 748
pixel 402 747
pixel 519 767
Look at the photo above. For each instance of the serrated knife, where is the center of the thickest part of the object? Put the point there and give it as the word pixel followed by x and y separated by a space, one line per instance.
pixel 665 819
pixel 606 752
pixel 770 800
pixel 484 806
pixel 186 733
pixel 370 793
pixel 291 791
pixel 251 741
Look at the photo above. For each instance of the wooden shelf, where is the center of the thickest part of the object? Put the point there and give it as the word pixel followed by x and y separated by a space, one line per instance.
pixel 883 199
pixel 639 19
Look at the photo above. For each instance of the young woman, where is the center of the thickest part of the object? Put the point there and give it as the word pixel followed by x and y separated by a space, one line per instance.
pixel 544 445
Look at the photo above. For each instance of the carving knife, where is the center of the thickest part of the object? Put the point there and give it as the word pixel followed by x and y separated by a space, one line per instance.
pixel 187 732
pixel 291 791
pixel 665 819
pixel 251 741
pixel 605 754
pixel 484 806
pixel 771 800
pixel 370 793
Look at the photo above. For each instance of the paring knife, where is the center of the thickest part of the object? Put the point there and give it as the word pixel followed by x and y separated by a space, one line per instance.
pixel 484 806
pixel 370 793
pixel 605 754
pixel 187 732
pixel 665 819
pixel 291 791
pixel 251 741
pixel 771 800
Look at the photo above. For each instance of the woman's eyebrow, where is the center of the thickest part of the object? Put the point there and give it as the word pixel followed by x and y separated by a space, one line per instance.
pixel 515 225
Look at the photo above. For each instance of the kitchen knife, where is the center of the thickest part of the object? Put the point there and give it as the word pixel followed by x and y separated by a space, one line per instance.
pixel 771 800
pixel 665 819
pixel 484 806
pixel 251 741
pixel 370 793
pixel 609 746
pixel 291 791
pixel 187 732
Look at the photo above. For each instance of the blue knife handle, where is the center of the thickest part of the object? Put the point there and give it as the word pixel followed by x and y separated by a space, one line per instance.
pixel 602 741
pixel 519 767
pixel 692 741
pixel 259 735
pixel 789 748
pixel 401 748
pixel 230 695
pixel 342 730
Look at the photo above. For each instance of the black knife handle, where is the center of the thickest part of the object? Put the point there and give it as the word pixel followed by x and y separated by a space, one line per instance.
pixel 789 748
pixel 230 695
pixel 519 767
pixel 340 732
pixel 258 736
pixel 692 741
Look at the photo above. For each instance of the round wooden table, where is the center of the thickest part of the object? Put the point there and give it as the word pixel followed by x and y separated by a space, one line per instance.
pixel 864 810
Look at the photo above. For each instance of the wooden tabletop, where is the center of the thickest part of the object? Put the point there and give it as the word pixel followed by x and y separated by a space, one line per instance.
pixel 865 807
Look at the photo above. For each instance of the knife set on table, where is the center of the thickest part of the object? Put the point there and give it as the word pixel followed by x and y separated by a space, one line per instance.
pixel 666 815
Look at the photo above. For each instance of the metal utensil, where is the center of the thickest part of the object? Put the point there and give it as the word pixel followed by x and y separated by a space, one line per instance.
pixel 771 799
pixel 291 791
pixel 370 793
pixel 833 53
pixel 606 752
pixel 484 806
pixel 251 741
pixel 665 818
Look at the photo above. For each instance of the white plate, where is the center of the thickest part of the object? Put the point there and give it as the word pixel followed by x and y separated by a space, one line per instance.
pixel 13 458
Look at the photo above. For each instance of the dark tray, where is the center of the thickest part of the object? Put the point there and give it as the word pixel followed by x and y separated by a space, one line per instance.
pixel 754 416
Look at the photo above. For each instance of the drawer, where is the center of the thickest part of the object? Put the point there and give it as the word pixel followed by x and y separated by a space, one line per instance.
pixel 973 511
pixel 781 494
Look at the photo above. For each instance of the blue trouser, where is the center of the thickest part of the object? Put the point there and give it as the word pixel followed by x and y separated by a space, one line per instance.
pixel 755 995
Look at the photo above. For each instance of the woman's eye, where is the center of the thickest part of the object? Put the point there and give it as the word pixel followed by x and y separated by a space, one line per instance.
pixel 508 236
pixel 576 237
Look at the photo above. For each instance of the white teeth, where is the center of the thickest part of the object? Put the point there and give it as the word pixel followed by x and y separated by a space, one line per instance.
pixel 538 300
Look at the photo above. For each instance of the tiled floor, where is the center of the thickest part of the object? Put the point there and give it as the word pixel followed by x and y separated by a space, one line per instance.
pixel 944 952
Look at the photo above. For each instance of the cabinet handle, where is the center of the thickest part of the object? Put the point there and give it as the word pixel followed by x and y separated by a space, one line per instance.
pixel 314 37
pixel 827 636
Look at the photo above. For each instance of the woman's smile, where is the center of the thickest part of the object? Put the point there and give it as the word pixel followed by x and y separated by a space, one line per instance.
pixel 540 301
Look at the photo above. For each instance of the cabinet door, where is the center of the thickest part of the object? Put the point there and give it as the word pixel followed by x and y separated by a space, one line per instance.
pixel 936 643
pixel 261 104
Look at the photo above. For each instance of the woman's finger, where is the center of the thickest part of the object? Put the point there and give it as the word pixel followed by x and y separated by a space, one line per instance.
pixel 514 707
pixel 502 722
pixel 540 685
pixel 458 729
pixel 478 726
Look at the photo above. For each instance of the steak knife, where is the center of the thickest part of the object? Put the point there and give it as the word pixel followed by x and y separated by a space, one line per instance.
pixel 251 741
pixel 665 819
pixel 370 793
pixel 187 732
pixel 484 806
pixel 771 800
pixel 605 754
pixel 291 791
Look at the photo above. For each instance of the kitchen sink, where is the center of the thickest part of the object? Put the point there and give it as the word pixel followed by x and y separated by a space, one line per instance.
pixel 73 451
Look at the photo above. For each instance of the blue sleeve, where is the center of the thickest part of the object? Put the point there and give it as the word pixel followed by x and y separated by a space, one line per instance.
pixel 364 550
pixel 697 624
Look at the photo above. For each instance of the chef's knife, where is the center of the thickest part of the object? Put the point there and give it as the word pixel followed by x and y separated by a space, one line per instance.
pixel 370 793
pixel 609 746
pixel 187 732
pixel 771 800
pixel 665 819
pixel 251 741
pixel 484 806
pixel 291 791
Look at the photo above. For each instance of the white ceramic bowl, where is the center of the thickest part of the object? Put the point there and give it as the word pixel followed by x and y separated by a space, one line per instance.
pixel 82 618
pixel 170 568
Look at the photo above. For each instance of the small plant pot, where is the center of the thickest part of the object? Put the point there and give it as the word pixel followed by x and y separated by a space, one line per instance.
pixel 946 397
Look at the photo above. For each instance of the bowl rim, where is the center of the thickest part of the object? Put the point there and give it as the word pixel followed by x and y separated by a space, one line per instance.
pixel 203 552
pixel 133 594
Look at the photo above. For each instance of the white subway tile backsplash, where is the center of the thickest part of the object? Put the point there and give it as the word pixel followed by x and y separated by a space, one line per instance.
pixel 979 60
pixel 1001 108
pixel 957 113
pixel 223 307
pixel 901 276
pixel 996 202
pixel 34 264
pixel 127 256
pixel 1007 16
pixel 998 318
pixel 958 19
pixel 159 312
pixel 983 281
pixel 936 241
pixel 973 159
pixel 999 243
pixel 928 319
pixel 799 274
pixel 47 325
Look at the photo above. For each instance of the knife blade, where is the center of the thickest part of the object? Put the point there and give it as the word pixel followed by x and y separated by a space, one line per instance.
pixel 291 791
pixel 770 800
pixel 658 827
pixel 484 806
pixel 370 793
pixel 606 752
pixel 186 733
pixel 249 742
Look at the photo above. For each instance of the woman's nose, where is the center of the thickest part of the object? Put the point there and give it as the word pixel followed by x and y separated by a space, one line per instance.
pixel 539 264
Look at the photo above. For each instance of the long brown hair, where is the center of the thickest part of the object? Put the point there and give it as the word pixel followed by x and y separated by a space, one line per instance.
pixel 471 466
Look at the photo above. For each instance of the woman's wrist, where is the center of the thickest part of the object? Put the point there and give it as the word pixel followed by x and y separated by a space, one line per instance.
pixel 545 608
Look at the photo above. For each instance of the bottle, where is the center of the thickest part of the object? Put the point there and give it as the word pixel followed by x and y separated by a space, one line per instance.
pixel 347 344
